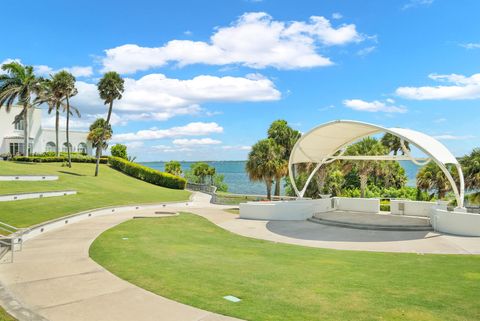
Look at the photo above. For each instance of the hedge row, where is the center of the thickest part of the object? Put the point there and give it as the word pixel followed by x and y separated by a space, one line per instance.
pixel 48 159
pixel 147 174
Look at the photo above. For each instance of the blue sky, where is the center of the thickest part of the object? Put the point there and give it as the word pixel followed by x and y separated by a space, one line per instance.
pixel 204 79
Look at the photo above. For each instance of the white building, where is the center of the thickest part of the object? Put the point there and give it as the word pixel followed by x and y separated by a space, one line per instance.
pixel 41 139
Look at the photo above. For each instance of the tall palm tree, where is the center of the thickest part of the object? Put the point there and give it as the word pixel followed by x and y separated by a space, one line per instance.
pixel 471 167
pixel 285 137
pixel 19 84
pixel 64 85
pixel 96 132
pixel 366 147
pixel 431 177
pixel 110 88
pixel 264 162
pixel 393 143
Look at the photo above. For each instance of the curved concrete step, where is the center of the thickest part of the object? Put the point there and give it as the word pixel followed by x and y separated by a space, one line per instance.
pixel 371 226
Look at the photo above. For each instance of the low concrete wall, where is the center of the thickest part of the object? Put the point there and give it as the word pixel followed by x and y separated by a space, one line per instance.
pixel 458 223
pixel 28 177
pixel 24 196
pixel 364 205
pixel 283 210
pixel 412 208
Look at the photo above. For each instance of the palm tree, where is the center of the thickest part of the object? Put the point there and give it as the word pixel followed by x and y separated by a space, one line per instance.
pixel 96 132
pixel 431 177
pixel 110 88
pixel 264 162
pixel 366 147
pixel 174 168
pixel 471 166
pixel 393 143
pixel 19 84
pixel 285 137
pixel 64 86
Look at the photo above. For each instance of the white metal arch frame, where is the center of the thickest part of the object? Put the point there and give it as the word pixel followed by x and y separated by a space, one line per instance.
pixel 337 135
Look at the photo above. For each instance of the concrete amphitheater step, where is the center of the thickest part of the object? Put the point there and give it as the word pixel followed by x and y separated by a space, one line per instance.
pixel 380 227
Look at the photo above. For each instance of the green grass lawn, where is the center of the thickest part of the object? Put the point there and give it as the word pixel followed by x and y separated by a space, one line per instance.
pixel 109 188
pixel 4 316
pixel 188 259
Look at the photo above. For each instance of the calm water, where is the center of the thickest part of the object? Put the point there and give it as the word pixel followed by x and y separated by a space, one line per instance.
pixel 238 182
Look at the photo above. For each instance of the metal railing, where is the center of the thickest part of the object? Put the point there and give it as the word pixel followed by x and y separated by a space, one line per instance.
pixel 9 241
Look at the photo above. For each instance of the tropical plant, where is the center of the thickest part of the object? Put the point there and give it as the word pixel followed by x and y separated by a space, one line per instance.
pixel 110 88
pixel 19 84
pixel 334 182
pixel 471 167
pixel 202 171
pixel 431 177
pixel 98 136
pixel 64 85
pixel 285 137
pixel 264 163
pixel 364 168
pixel 119 150
pixel 173 167
pixel 393 143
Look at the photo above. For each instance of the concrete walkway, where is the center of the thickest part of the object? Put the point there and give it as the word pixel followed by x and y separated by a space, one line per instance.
pixel 53 277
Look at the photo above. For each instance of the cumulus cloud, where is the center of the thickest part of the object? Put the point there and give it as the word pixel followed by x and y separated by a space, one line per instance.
pixel 196 141
pixel 417 3
pixel 471 45
pixel 157 97
pixel 460 87
pixel 77 71
pixel 191 129
pixel 254 40
pixel 236 147
pixel 374 106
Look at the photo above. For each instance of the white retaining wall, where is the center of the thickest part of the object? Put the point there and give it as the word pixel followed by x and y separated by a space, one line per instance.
pixel 28 177
pixel 364 205
pixel 24 196
pixel 411 208
pixel 458 223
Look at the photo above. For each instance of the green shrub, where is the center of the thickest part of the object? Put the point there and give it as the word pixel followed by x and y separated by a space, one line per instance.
pixel 147 174
pixel 53 159
pixel 119 150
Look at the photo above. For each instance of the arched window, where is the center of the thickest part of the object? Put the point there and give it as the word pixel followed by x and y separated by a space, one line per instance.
pixel 64 148
pixel 50 147
pixel 82 148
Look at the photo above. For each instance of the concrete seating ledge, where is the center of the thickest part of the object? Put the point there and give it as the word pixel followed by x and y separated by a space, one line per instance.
pixel 30 178
pixel 23 196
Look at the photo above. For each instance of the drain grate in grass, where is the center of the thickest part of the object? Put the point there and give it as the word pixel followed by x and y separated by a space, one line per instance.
pixel 232 298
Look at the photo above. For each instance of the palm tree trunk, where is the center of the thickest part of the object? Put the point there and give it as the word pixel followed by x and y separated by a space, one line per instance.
pixel 25 130
pixel 68 136
pixel 363 184
pixel 268 182
pixel 97 165
pixel 57 125
pixel 278 181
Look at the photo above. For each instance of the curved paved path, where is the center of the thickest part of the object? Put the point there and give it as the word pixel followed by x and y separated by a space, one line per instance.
pixel 54 278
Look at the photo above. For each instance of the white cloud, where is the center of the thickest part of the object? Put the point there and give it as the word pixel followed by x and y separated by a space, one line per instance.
pixel 156 97
pixel 461 87
pixel 254 40
pixel 471 45
pixel 453 137
pixel 77 71
pixel 337 15
pixel 196 141
pixel 417 3
pixel 191 129
pixel 236 147
pixel 374 106
pixel 439 120
pixel 366 51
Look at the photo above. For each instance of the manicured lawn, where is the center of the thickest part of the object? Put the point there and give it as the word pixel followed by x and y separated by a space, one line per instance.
pixel 109 188
pixel 188 259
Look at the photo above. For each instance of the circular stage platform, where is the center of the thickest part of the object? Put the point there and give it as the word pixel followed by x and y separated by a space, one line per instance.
pixel 366 221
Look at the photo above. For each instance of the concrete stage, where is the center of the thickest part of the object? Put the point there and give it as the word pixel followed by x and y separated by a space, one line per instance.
pixel 368 221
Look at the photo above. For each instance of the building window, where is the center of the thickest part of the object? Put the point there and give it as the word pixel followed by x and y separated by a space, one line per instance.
pixel 82 148
pixel 50 147
pixel 64 148
pixel 18 148
pixel 20 125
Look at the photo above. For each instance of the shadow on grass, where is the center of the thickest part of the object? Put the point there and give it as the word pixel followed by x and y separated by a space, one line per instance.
pixel 71 173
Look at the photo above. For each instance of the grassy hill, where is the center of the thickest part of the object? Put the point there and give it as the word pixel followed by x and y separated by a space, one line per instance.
pixel 109 188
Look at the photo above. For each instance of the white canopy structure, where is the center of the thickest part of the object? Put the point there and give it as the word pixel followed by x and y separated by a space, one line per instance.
pixel 326 143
